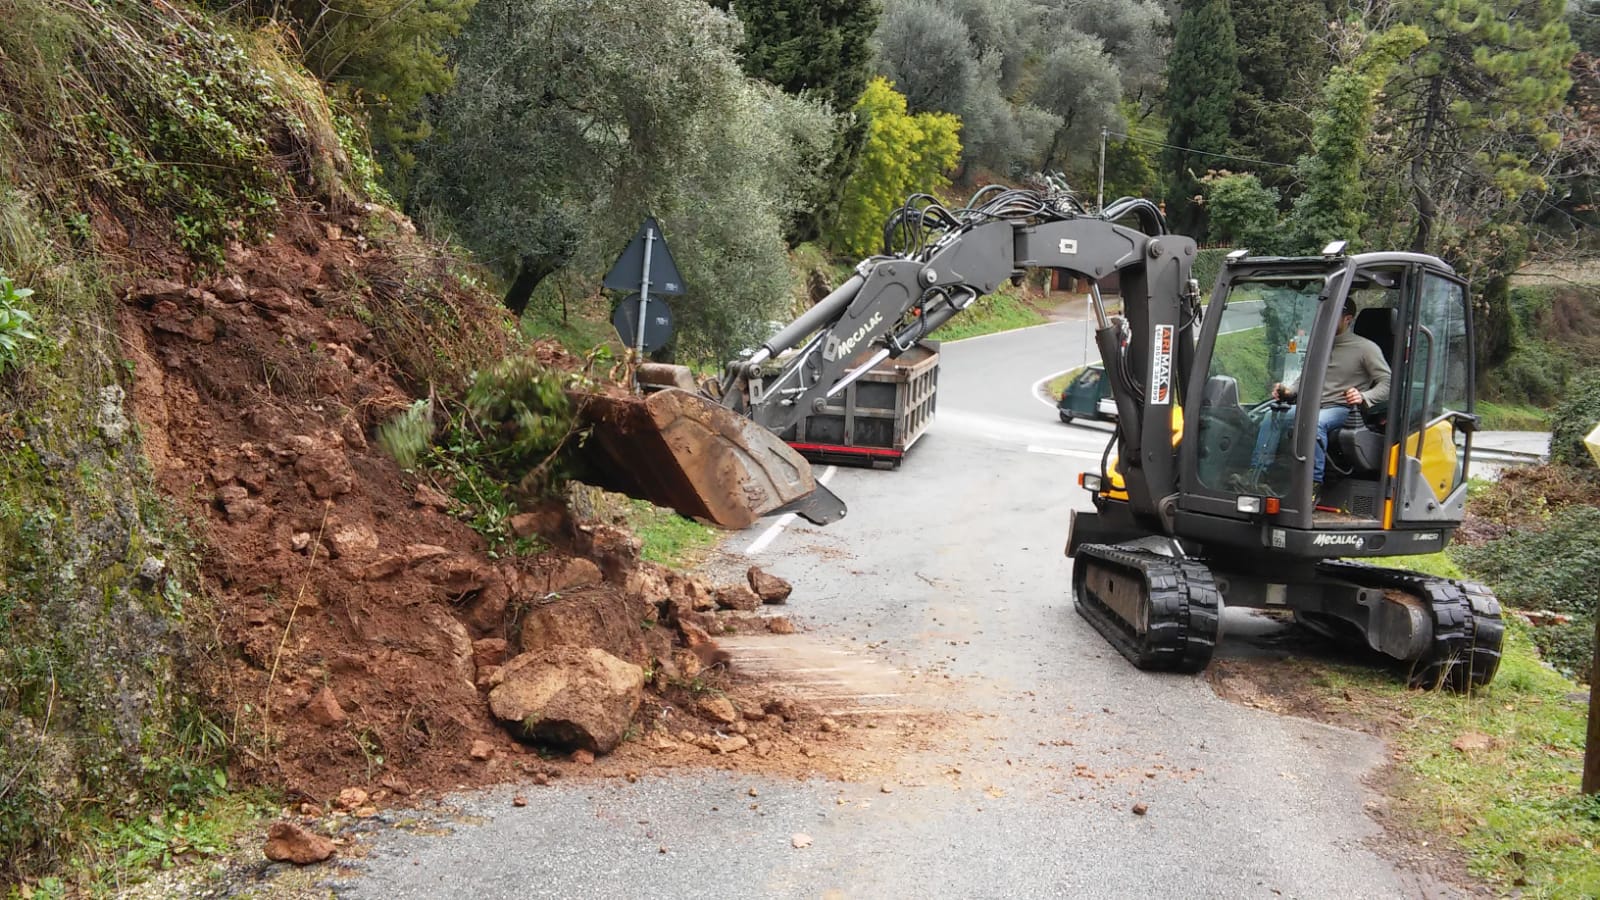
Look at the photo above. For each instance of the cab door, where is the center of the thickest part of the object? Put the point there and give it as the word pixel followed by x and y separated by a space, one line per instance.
pixel 1428 463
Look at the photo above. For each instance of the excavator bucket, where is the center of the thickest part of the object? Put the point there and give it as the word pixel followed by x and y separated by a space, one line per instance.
pixel 685 452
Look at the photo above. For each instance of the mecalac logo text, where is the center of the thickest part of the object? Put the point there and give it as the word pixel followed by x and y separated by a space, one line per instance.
pixel 1336 540
pixel 837 349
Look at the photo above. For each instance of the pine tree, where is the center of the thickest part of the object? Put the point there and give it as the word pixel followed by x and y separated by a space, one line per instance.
pixel 1472 116
pixel 1202 84
pixel 1477 101
pixel 821 49
pixel 1281 58
pixel 817 47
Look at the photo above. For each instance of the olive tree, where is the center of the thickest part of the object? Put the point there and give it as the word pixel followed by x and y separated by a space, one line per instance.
pixel 573 119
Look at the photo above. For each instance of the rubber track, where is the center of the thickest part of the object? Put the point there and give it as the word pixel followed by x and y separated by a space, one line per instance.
pixel 1183 601
pixel 1467 627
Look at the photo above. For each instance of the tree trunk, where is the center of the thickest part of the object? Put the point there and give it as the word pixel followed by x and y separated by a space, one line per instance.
pixel 1427 210
pixel 528 277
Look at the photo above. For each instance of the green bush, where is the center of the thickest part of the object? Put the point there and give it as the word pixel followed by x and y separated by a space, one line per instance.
pixel 1565 555
pixel 1243 212
pixel 1548 569
pixel 1534 375
pixel 904 154
pixel 1574 419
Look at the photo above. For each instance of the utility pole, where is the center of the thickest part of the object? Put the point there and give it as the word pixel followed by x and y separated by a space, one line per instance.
pixel 1100 194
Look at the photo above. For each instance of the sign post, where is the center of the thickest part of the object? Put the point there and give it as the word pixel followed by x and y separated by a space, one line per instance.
pixel 646 268
pixel 644 286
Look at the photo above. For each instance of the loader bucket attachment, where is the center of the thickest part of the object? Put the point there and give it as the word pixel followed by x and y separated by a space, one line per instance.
pixel 685 452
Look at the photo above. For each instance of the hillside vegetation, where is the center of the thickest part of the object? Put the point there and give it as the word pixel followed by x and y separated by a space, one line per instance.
pixel 140 144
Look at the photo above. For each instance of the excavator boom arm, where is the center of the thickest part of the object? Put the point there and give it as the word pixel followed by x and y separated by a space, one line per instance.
pixel 893 301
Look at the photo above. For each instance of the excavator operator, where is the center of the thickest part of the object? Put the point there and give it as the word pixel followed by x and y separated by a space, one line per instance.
pixel 1357 376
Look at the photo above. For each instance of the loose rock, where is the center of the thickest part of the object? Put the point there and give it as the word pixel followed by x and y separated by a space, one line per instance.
pixel 738 597
pixel 324 708
pixel 719 709
pixel 288 842
pixel 350 798
pixel 770 588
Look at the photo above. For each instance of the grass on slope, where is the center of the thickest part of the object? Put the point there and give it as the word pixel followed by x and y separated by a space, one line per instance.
pixel 997 312
pixel 1497 772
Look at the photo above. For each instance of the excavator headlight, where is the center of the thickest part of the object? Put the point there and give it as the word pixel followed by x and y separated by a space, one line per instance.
pixel 1089 481
pixel 1250 505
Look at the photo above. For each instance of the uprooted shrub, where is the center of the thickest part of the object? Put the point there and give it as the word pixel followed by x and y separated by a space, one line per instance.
pixel 502 442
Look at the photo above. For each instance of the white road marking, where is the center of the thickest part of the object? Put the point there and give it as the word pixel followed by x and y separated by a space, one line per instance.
pixel 771 534
pixel 1022 432
pixel 1039 395
pixel 1062 451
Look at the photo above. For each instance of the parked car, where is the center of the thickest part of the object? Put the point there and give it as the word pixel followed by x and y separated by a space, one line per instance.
pixel 1088 396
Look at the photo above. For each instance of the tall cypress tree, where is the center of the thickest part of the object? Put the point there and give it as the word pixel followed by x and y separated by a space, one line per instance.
pixel 1202 85
pixel 1282 56
pixel 817 47
pixel 1333 205
pixel 820 48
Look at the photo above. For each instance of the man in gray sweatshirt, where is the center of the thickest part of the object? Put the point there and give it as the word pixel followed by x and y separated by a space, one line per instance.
pixel 1357 375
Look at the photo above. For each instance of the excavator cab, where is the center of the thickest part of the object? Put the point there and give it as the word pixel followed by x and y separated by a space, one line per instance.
pixel 1393 478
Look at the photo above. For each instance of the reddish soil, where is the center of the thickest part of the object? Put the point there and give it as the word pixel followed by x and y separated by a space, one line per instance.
pixel 356 619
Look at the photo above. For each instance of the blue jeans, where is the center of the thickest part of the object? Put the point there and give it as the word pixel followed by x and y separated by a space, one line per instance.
pixel 1329 420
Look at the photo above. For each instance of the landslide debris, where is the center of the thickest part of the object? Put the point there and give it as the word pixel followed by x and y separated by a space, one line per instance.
pixel 369 637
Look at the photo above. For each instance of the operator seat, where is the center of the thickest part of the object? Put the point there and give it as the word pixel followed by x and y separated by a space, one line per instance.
pixel 1376 324
pixel 1358 445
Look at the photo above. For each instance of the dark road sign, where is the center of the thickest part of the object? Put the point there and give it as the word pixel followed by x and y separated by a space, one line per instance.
pixel 628 273
pixel 657 323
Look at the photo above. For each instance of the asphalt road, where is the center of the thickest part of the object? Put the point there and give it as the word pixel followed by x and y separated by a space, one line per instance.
pixel 949 572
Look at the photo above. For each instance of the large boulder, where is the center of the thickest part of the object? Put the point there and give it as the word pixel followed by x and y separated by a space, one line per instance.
pixel 599 616
pixel 570 698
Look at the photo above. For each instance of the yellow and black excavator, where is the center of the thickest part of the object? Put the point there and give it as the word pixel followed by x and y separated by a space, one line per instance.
pixel 1207 493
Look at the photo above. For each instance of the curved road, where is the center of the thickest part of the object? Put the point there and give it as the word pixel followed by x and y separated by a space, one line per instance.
pixel 950 571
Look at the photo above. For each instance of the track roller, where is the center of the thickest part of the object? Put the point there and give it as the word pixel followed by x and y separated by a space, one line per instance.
pixel 1464 649
pixel 1160 612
